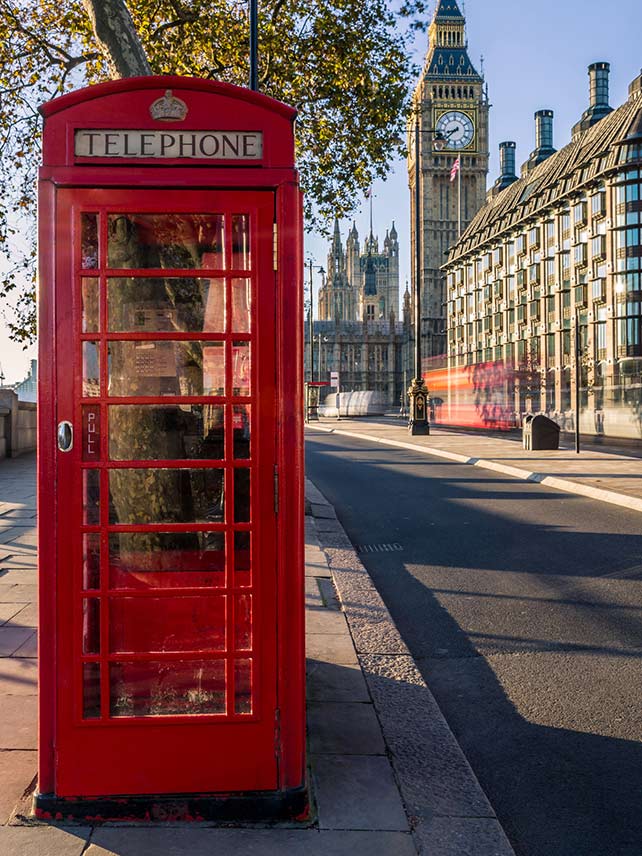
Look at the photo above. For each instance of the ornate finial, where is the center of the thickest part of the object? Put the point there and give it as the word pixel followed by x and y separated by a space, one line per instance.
pixel 168 108
pixel 481 65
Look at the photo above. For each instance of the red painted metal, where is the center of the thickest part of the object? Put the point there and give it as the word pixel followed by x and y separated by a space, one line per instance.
pixel 124 630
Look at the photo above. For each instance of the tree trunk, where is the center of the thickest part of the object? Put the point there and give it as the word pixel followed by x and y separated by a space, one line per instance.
pixel 117 37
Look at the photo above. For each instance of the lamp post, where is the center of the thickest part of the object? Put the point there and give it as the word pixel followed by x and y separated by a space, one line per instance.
pixel 418 392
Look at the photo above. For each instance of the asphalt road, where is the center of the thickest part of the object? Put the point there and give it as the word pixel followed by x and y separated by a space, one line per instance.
pixel 522 606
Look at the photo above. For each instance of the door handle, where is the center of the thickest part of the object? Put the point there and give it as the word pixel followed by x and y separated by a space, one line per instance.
pixel 65 436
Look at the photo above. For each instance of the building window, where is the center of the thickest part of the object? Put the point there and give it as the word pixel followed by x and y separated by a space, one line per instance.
pixel 579 213
pixel 628 336
pixel 600 340
pixel 598 204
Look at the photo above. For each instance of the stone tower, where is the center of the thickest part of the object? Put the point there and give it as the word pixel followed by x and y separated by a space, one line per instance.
pixel 337 297
pixel 451 103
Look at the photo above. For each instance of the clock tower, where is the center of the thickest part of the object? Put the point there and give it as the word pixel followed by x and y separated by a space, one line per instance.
pixel 451 104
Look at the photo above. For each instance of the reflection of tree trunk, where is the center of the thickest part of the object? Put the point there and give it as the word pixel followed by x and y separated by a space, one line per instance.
pixel 155 494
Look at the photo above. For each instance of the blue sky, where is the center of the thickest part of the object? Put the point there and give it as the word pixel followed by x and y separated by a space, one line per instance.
pixel 536 55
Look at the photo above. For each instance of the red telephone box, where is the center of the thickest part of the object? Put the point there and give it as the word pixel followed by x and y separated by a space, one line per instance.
pixel 170 454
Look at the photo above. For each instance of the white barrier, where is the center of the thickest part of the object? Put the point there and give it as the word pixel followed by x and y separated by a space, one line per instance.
pixel 362 403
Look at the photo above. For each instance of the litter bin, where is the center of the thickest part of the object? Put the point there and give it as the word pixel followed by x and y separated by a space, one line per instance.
pixel 541 433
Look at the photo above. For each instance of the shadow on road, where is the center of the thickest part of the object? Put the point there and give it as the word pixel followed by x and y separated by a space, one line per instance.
pixel 526 622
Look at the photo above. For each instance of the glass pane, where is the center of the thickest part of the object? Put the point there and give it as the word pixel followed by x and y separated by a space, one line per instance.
pixel 243 686
pixel 241 297
pixel 165 304
pixel 240 368
pixel 91 496
pixel 241 241
pixel 91 561
pixel 241 495
pixel 91 626
pixel 165 241
pixel 90 369
pixel 243 623
pixel 166 496
pixel 165 689
pixel 91 432
pixel 241 425
pixel 143 624
pixel 89 241
pixel 166 431
pixel 242 558
pixel 89 288
pixel 142 560
pixel 166 368
pixel 91 690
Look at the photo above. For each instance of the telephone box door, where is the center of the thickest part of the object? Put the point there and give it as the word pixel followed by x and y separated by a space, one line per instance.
pixel 166 587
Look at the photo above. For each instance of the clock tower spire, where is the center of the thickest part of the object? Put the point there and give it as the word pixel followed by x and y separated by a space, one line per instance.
pixel 451 102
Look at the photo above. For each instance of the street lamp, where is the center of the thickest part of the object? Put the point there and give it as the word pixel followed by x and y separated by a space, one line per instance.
pixel 320 270
pixel 418 392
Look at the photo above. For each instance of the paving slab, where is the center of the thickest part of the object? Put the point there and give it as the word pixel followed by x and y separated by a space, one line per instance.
pixel 27 617
pixel 357 792
pixel 28 648
pixel 242 842
pixel 325 621
pixel 23 538
pixel 9 610
pixel 344 728
pixel 20 559
pixel 18 593
pixel 18 721
pixel 43 841
pixel 317 569
pixel 11 638
pixel 331 682
pixel 18 676
pixel 17 771
pixel 331 648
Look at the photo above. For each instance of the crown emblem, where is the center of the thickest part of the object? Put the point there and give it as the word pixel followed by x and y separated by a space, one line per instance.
pixel 168 108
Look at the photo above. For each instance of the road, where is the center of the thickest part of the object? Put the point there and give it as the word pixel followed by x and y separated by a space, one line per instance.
pixel 522 607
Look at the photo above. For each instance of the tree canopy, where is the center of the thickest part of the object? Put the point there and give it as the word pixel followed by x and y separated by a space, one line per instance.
pixel 344 64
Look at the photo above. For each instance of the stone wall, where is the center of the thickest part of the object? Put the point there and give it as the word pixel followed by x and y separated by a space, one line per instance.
pixel 18 425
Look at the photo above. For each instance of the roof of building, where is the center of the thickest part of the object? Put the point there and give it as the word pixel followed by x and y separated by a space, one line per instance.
pixel 449 62
pixel 448 9
pixel 588 156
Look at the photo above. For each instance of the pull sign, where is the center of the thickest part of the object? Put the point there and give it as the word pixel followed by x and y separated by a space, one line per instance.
pixel 91 432
pixel 65 436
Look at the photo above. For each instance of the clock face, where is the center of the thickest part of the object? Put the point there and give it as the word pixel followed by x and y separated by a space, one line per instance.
pixel 457 129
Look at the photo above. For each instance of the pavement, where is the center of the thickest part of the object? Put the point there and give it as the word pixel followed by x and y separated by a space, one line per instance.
pixel 605 476
pixel 387 777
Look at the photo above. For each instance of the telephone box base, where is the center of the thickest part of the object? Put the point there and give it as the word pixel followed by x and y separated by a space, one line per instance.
pixel 258 806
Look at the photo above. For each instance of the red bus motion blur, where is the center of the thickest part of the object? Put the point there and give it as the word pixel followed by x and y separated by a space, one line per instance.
pixel 475 396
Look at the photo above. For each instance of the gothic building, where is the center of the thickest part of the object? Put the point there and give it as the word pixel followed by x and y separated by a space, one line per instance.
pixel 451 108
pixel 361 285
pixel 358 332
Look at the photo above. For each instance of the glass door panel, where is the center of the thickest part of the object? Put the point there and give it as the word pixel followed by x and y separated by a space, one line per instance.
pixel 176 415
